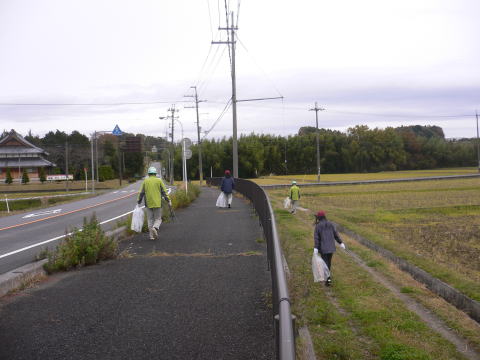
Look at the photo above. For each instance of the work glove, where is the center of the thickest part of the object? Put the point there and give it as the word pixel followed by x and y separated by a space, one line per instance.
pixel 170 202
pixel 139 202
pixel 315 251
pixel 342 245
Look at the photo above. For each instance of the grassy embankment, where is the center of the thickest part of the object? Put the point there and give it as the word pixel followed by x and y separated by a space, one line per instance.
pixel 433 224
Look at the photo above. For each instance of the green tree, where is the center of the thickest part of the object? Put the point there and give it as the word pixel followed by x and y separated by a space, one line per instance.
pixel 25 178
pixel 8 177
pixel 41 175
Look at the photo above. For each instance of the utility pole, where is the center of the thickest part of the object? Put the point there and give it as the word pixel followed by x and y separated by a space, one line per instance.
pixel 200 166
pixel 232 42
pixel 66 162
pixel 93 167
pixel 317 109
pixel 172 153
pixel 478 143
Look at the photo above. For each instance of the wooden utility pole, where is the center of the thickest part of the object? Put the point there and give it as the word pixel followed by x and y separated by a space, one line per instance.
pixel 478 143
pixel 317 109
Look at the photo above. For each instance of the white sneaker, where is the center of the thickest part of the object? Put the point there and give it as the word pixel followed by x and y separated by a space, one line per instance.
pixel 155 232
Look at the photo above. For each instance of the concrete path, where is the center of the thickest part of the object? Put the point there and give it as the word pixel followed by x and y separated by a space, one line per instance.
pixel 200 292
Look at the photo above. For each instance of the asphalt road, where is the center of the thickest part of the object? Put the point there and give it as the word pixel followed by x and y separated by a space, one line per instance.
pixel 199 292
pixel 38 228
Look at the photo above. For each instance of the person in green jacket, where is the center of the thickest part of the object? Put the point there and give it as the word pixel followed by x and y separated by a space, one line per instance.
pixel 294 196
pixel 153 189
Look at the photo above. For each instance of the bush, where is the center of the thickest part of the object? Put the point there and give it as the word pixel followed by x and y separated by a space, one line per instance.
pixel 8 177
pixel 105 172
pixel 181 199
pixel 83 247
pixel 25 178
pixel 41 175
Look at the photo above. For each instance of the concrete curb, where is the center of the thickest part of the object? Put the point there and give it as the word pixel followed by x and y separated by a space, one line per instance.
pixel 364 182
pixel 450 294
pixel 16 278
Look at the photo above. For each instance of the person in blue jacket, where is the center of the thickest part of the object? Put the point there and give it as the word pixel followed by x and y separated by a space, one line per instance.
pixel 227 187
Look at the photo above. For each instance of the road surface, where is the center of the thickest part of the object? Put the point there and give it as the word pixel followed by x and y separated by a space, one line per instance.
pixel 22 236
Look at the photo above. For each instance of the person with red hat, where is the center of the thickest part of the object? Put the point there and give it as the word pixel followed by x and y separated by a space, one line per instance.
pixel 227 187
pixel 325 235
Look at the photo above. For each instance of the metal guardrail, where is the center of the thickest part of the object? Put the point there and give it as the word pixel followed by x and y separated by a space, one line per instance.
pixel 283 319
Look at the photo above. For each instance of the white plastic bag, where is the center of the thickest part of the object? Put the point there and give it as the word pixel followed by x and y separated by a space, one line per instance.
pixel 222 200
pixel 287 203
pixel 137 219
pixel 319 269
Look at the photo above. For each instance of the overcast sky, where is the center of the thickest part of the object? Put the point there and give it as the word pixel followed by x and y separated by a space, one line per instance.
pixel 374 62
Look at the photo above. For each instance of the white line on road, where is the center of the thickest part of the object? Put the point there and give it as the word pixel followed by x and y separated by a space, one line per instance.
pixel 58 237
pixel 49 212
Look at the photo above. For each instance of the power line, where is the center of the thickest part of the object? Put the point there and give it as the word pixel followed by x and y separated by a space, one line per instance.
pixel 210 17
pixel 227 106
pixel 89 104
pixel 261 69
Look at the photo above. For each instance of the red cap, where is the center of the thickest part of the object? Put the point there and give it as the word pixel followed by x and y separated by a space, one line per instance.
pixel 321 213
pixel 227 171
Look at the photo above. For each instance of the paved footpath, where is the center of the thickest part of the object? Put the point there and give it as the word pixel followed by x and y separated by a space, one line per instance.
pixel 199 292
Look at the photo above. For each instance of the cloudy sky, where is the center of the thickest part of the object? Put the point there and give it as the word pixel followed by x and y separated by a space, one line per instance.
pixel 91 64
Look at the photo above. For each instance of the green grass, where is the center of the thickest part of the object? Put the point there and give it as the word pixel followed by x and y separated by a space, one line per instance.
pixel 357 318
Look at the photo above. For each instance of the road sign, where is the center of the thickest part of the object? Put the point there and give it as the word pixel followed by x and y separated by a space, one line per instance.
pixel 188 154
pixel 154 149
pixel 116 131
pixel 187 142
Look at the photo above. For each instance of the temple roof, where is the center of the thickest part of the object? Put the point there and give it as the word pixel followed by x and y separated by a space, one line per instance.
pixel 14 143
pixel 33 162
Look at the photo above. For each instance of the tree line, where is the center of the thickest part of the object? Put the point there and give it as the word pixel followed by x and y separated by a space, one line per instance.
pixel 75 149
pixel 359 149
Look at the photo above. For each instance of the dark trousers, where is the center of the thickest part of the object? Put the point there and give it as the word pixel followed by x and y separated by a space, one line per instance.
pixel 328 259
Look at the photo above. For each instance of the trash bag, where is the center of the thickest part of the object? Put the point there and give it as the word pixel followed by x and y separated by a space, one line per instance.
pixel 137 219
pixel 222 200
pixel 319 269
pixel 287 203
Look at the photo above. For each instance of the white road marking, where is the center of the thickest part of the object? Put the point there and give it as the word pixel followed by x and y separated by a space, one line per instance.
pixel 58 237
pixel 49 212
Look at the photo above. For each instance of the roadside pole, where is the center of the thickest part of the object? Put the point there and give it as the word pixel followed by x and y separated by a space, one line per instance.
pixel 6 201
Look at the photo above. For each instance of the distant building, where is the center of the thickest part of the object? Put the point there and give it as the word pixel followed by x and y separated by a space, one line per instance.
pixel 18 154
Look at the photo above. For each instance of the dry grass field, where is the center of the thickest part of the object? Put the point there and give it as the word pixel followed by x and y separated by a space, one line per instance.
pixel 432 224
pixel 309 178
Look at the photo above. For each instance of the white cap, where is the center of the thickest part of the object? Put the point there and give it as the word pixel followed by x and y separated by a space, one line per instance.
pixel 152 170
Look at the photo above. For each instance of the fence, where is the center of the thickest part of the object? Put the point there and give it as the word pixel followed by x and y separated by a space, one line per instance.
pixel 283 319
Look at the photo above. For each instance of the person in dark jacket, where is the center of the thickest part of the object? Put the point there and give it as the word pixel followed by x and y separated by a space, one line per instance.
pixel 227 187
pixel 325 236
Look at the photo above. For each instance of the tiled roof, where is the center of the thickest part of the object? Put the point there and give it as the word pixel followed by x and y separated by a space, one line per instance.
pixel 33 162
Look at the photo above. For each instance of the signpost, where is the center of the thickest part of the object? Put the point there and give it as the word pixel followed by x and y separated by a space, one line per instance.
pixel 186 154
pixel 117 132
